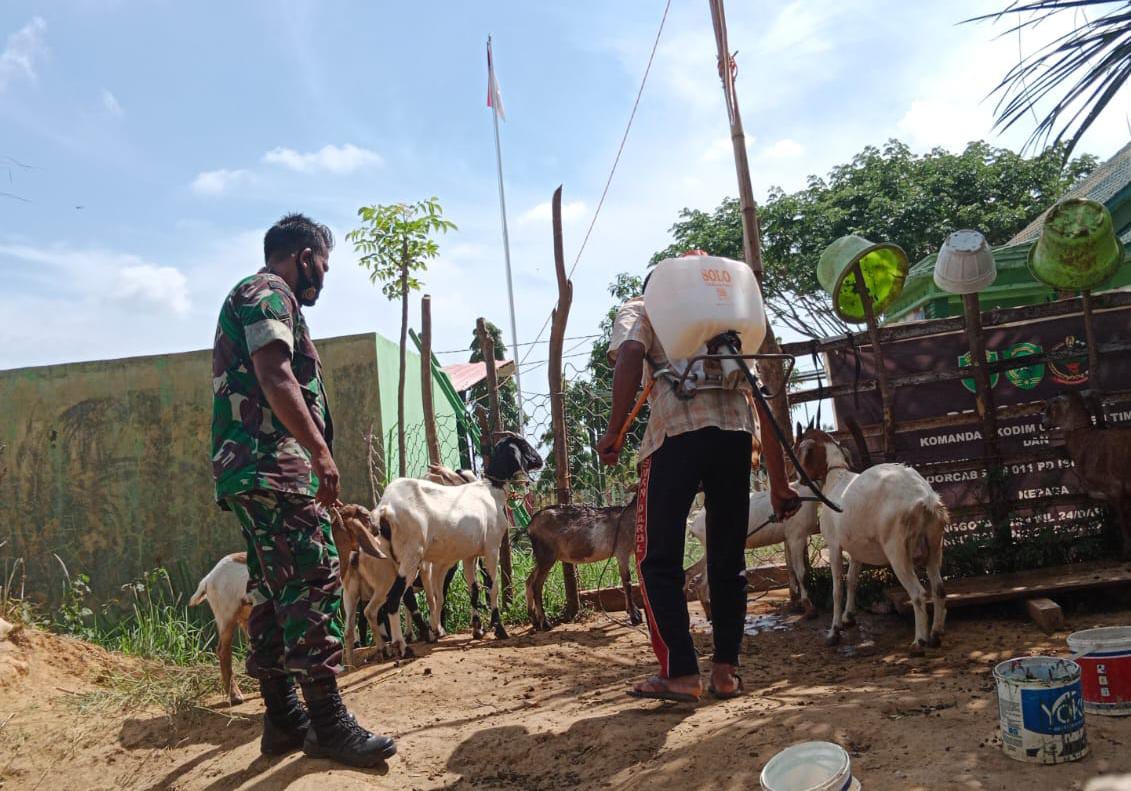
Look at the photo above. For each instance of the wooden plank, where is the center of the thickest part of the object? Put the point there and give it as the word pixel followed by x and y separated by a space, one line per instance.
pixel 973 591
pixel 765 577
pixel 994 318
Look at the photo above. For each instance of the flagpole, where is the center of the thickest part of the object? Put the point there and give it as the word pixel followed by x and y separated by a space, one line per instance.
pixel 506 245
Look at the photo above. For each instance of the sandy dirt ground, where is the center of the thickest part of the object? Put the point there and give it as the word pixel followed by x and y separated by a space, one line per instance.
pixel 548 711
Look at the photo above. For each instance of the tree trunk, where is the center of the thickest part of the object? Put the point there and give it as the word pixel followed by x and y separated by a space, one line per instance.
pixel 426 380
pixel 401 464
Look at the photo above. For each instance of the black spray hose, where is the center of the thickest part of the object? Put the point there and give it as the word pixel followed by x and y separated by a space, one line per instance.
pixel 786 446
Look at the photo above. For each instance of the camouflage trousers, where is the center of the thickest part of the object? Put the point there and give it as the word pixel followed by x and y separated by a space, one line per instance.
pixel 294 585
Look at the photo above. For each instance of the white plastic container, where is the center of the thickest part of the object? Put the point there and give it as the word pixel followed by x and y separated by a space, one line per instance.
pixel 692 299
pixel 1041 708
pixel 1104 657
pixel 810 766
pixel 965 264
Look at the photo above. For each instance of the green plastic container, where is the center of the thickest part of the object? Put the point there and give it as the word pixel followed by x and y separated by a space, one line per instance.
pixel 884 266
pixel 1078 248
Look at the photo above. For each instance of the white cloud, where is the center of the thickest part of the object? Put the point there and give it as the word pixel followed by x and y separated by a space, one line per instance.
pixel 215 182
pixel 162 287
pixel 784 149
pixel 110 104
pixel 331 159
pixel 542 212
pixel 23 49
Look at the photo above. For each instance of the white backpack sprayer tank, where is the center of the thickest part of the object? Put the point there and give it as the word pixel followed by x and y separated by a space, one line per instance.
pixel 694 299
pixel 709 308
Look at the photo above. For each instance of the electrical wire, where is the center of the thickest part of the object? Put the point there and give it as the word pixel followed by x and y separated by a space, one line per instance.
pixel 616 161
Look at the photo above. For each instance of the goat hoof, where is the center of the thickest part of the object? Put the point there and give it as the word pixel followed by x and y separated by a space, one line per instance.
pixel 635 618
pixel 477 633
pixel 935 640
pixel 849 619
pixel 808 610
pixel 235 698
pixel 833 638
pixel 500 632
pixel 918 648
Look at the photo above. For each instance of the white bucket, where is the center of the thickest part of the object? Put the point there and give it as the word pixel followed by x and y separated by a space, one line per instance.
pixel 1041 708
pixel 1104 656
pixel 809 766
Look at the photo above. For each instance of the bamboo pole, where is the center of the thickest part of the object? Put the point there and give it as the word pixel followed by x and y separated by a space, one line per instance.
pixel 878 358
pixel 430 437
pixel 487 346
pixel 558 321
pixel 772 372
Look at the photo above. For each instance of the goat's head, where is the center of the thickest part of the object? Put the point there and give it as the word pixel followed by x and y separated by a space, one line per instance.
pixel 818 452
pixel 511 456
pixel 352 527
pixel 1066 411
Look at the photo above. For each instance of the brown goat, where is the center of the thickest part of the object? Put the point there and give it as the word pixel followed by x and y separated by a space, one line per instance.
pixel 1102 457
pixel 580 534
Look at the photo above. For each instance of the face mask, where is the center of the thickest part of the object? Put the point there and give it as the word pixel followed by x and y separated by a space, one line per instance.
pixel 308 288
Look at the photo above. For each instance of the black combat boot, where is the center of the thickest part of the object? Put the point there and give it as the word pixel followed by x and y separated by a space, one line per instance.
pixel 335 734
pixel 285 724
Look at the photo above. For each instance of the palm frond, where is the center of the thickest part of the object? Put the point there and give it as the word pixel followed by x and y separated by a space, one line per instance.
pixel 1080 71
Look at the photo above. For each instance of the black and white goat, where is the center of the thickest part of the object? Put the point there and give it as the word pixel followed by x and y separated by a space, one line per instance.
pixel 431 527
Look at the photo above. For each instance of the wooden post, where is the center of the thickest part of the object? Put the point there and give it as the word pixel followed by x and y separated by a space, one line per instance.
pixel 772 372
pixel 487 346
pixel 1094 382
pixel 401 461
pixel 878 358
pixel 558 320
pixel 426 380
pixel 987 411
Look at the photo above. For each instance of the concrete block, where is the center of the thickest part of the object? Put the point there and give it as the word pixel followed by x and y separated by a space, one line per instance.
pixel 1046 614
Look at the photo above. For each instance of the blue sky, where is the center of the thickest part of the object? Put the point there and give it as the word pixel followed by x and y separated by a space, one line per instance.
pixel 184 130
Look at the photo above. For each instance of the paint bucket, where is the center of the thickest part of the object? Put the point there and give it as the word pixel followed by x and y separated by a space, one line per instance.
pixel 809 766
pixel 1104 656
pixel 1041 708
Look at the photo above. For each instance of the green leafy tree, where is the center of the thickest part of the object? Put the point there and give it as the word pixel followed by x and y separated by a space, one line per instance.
pixel 588 401
pixel 508 394
pixel 396 242
pixel 888 194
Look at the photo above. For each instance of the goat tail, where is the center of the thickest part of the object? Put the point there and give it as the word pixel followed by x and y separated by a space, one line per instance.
pixel 201 592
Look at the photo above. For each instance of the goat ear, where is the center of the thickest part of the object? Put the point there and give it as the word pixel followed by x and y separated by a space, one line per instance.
pixel 811 423
pixel 799 432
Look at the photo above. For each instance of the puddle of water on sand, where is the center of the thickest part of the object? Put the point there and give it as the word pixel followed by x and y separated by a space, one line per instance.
pixel 755 624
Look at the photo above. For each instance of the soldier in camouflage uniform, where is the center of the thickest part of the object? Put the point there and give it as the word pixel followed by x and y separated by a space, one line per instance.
pixel 272 462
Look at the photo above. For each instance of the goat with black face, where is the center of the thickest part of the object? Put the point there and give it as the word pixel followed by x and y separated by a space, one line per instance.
pixel 431 527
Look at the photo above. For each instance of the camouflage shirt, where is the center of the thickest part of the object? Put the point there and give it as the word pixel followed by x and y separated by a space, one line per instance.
pixel 251 448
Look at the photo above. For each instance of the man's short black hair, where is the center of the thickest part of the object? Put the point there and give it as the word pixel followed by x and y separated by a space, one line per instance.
pixel 296 232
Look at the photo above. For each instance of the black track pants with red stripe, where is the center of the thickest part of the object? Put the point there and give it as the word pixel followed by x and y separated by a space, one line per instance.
pixel 669 479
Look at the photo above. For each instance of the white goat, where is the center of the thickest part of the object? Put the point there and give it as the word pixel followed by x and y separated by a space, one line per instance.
pixel 891 517
pixel 225 588
pixel 793 532
pixel 432 527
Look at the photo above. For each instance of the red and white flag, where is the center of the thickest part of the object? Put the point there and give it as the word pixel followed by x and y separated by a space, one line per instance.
pixel 494 96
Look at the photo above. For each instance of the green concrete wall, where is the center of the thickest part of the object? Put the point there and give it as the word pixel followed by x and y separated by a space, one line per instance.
pixel 107 463
pixel 416 451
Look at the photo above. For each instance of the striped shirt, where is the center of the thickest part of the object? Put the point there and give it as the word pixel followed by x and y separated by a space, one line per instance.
pixel 670 415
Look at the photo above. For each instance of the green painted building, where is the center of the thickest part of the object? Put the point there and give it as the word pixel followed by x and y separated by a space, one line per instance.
pixel 1110 185
pixel 107 464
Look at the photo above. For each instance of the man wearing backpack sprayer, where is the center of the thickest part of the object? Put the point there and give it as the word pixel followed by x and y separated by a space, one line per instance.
pixel 702 441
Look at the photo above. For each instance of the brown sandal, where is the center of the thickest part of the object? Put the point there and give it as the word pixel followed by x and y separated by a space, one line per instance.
pixel 663 693
pixel 738 690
